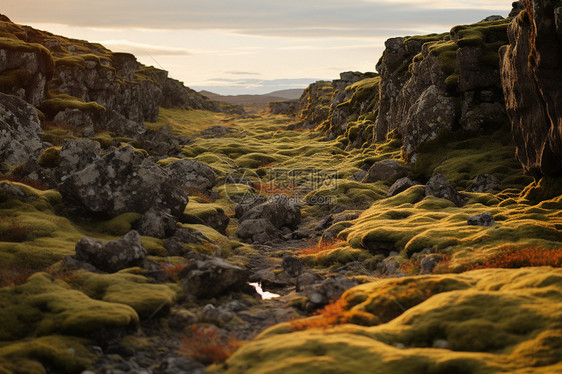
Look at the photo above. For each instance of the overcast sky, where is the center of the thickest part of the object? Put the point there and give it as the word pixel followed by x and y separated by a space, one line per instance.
pixel 249 46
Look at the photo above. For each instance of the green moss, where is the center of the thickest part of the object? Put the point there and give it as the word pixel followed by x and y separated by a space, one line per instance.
pixel 493 321
pixel 35 356
pixel 60 102
pixel 133 290
pixel 119 225
pixel 50 157
pixel 44 306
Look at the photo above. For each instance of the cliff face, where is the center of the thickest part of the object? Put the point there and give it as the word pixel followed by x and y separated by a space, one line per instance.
pixel 61 75
pixel 532 82
pixel 426 84
pixel 342 108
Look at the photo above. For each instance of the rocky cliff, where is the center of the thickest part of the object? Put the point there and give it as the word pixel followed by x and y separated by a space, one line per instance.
pixel 84 84
pixel 532 82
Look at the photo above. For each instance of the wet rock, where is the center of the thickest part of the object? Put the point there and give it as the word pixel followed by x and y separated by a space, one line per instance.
pixel 484 219
pixel 272 279
pixel 485 183
pixel 124 181
pixel 257 230
pixel 213 277
pixel 114 255
pixel 387 170
pixel 440 187
pixel 157 223
pixel 20 131
pixel 400 185
pixel 292 265
pixel 193 174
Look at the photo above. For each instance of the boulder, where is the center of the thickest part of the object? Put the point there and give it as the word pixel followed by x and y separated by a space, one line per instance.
pixel 178 243
pixel 531 72
pixel 114 255
pixel 307 279
pixel 279 211
pixel 319 294
pixel 20 131
pixel 485 183
pixel 243 207
pixel 215 218
pixel 484 219
pixel 194 175
pixel 213 277
pixel 387 170
pixel 216 131
pixel 400 185
pixel 124 181
pixel 75 155
pixel 257 230
pixel 157 223
pixel 292 265
pixel 440 187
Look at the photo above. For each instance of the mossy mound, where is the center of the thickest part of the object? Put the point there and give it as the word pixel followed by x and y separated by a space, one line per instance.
pixel 130 289
pixel 477 322
pixel 187 122
pixel 61 354
pixel 410 222
pixel 44 305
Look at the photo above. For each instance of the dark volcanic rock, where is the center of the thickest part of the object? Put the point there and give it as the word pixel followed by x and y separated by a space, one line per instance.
pixel 387 170
pixel 484 219
pixel 124 181
pixel 440 187
pixel 400 185
pixel 485 183
pixel 281 212
pixel 112 256
pixel 193 174
pixel 531 71
pixel 19 131
pixel 157 223
pixel 257 230
pixel 213 277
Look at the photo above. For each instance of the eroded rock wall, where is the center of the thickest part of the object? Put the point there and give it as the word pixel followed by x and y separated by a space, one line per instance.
pixel 531 74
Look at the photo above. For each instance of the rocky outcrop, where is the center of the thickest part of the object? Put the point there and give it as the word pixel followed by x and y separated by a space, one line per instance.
pixel 83 84
pixel 24 70
pixel 111 256
pixel 124 180
pixel 342 108
pixel 531 70
pixel 19 131
pixel 289 107
pixel 435 82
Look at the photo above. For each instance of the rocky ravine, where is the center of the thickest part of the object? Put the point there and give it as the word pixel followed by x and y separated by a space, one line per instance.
pixel 131 249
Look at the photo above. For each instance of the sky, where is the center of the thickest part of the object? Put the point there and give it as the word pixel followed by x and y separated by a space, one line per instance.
pixel 250 46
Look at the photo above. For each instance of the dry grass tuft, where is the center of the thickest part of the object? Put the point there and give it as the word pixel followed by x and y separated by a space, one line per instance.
pixel 514 257
pixel 331 315
pixel 208 346
pixel 319 247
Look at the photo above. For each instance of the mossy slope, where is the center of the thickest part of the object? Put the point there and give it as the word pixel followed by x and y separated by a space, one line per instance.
pixel 491 320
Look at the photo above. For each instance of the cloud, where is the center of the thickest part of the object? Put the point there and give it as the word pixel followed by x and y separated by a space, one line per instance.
pixel 292 18
pixel 241 73
pixel 144 49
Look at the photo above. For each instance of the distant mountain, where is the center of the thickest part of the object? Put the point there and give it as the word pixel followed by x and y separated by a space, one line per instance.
pixel 291 94
pixel 255 101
